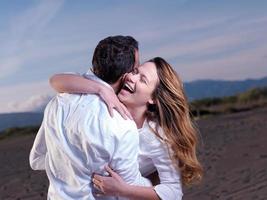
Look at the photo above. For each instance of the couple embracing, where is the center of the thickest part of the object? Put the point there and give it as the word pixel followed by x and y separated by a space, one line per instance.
pixel 104 133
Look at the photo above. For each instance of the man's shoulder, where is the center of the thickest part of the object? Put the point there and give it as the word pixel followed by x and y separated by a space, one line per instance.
pixel 74 96
pixel 117 125
pixel 75 99
pixel 118 119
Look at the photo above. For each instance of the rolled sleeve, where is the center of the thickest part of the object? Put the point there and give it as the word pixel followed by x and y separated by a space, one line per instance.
pixel 169 191
pixel 170 187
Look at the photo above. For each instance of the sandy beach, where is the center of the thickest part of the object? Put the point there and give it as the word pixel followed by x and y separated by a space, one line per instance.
pixel 233 152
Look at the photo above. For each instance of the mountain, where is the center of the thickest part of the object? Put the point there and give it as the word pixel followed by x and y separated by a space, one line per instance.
pixel 195 90
pixel 217 88
pixel 8 120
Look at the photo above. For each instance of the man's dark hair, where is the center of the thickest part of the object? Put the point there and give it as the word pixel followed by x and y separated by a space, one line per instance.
pixel 132 42
pixel 113 57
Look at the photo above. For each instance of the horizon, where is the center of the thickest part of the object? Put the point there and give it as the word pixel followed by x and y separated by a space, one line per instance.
pixel 238 80
pixel 204 40
pixel 39 109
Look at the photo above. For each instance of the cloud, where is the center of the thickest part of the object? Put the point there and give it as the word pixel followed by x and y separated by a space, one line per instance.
pixel 31 97
pixel 35 103
pixel 233 51
pixel 51 36
pixel 22 32
pixel 248 63
pixel 35 18
pixel 224 38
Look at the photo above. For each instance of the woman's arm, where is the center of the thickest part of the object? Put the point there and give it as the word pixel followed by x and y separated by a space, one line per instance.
pixel 72 83
pixel 170 186
pixel 114 185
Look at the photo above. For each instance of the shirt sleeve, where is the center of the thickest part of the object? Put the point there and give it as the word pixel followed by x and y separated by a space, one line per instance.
pixel 125 159
pixel 38 151
pixel 170 187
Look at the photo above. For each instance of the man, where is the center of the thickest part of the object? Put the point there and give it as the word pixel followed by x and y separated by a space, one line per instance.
pixel 78 137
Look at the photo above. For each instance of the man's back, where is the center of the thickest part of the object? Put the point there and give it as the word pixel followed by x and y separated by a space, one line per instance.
pixel 80 138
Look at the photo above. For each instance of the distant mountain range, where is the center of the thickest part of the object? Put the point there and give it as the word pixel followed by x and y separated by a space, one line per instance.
pixel 216 88
pixel 8 120
pixel 194 90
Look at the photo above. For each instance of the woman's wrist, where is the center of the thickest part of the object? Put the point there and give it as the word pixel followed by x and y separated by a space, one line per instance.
pixel 100 89
pixel 125 190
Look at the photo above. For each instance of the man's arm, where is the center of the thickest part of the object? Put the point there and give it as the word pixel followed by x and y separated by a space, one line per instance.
pixel 125 159
pixel 38 151
pixel 125 164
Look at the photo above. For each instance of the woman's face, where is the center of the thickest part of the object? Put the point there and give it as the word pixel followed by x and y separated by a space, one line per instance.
pixel 139 86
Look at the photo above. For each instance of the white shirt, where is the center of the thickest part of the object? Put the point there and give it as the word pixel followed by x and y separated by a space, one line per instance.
pixel 153 155
pixel 78 137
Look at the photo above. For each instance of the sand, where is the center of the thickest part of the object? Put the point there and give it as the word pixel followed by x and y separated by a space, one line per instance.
pixel 234 155
pixel 233 152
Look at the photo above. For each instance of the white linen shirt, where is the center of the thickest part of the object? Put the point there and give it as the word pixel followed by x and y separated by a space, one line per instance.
pixel 154 155
pixel 76 139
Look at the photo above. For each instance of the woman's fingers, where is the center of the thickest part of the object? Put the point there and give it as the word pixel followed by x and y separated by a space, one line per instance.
pixel 97 181
pixel 108 185
pixel 97 187
pixel 110 110
pixel 112 173
pixel 123 110
pixel 126 111
pixel 120 109
pixel 99 194
pixel 112 102
pixel 99 191
pixel 109 170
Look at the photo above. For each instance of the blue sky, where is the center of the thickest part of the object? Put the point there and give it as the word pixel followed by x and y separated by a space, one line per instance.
pixel 208 39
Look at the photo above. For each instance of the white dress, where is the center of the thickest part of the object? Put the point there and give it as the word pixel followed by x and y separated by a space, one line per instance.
pixel 153 155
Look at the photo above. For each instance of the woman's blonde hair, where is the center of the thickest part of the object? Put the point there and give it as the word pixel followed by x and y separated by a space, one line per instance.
pixel 171 113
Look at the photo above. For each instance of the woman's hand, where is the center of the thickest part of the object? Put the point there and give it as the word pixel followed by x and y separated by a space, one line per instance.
pixel 72 83
pixel 110 98
pixel 112 185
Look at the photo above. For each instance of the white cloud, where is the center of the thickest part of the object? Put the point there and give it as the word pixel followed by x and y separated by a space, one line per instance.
pixel 30 97
pixel 238 51
pixel 22 32
pixel 41 40
pixel 35 103
pixel 241 33
pixel 249 63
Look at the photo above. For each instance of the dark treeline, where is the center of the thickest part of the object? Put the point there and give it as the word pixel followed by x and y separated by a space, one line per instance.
pixel 248 100
pixel 18 131
pixel 253 98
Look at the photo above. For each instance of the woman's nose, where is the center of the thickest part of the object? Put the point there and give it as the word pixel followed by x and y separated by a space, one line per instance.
pixel 131 77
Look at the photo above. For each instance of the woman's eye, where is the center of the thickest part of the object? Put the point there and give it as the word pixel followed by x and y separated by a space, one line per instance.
pixel 143 80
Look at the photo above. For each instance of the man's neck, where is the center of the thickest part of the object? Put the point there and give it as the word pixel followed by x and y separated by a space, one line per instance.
pixel 117 85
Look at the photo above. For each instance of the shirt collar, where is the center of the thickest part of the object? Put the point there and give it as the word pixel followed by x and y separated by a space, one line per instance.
pixel 93 77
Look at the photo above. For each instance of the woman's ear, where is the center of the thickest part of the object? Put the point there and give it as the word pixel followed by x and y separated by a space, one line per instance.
pixel 151 101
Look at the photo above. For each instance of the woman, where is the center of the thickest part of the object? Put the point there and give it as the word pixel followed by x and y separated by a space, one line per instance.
pixel 154 96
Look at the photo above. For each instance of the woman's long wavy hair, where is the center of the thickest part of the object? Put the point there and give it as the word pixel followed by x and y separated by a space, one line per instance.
pixel 171 113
